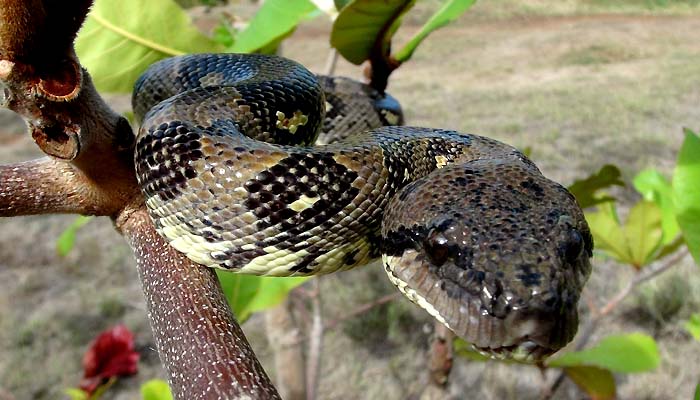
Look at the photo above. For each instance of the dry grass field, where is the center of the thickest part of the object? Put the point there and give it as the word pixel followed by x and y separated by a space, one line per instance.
pixel 580 83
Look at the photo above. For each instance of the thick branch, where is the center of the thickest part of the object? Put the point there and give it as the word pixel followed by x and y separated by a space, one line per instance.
pixel 69 120
pixel 39 32
pixel 48 185
pixel 91 171
pixel 199 341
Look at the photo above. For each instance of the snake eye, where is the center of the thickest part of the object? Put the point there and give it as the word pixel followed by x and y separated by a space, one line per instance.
pixel 436 247
pixel 573 246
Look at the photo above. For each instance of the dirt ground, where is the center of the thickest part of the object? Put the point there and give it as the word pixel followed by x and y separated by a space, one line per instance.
pixel 579 86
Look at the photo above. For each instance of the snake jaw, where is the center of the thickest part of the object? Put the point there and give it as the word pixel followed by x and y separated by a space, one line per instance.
pixel 523 333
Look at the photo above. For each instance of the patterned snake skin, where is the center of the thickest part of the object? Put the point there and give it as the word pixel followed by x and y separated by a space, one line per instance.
pixel 467 227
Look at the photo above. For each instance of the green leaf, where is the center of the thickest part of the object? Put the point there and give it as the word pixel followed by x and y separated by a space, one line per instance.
pixel 362 24
pixel 466 350
pixel 120 39
pixel 66 240
pixel 686 192
pixel 446 14
pixel 638 242
pixel 697 392
pixel 76 394
pixel 585 190
pixel 693 326
pixel 224 34
pixel 248 293
pixel 643 232
pixel 608 235
pixel 629 353
pixel 275 20
pixel 598 383
pixel 156 389
pixel 653 186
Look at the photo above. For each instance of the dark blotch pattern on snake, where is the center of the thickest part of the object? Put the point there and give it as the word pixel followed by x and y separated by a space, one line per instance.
pixel 467 227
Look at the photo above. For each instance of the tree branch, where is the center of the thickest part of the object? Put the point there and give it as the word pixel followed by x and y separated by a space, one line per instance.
pixel 199 342
pixel 47 186
pixel 91 171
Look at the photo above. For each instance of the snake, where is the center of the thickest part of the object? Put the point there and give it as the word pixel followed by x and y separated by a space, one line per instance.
pixel 253 164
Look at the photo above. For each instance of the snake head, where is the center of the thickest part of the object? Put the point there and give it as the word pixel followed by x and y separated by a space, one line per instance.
pixel 493 250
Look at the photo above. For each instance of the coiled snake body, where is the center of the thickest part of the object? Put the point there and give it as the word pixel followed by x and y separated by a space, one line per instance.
pixel 467 227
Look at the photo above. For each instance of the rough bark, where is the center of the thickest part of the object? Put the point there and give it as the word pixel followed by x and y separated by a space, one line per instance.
pixel 200 344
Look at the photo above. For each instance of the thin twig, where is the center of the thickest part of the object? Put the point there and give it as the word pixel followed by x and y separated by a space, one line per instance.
pixel 331 62
pixel 642 276
pixel 352 314
pixel 283 335
pixel 441 355
pixel 313 364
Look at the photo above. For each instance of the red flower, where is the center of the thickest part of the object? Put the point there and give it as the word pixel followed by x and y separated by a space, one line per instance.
pixel 110 354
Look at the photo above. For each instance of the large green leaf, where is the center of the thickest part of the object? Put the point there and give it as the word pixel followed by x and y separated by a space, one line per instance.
pixel 121 38
pixel 629 353
pixel 686 192
pixel 248 294
pixel 446 14
pixel 363 23
pixel 586 190
pixel 638 242
pixel 156 389
pixel 598 383
pixel 651 184
pixel 608 235
pixel 693 326
pixel 275 20
pixel 66 240
pixel 643 232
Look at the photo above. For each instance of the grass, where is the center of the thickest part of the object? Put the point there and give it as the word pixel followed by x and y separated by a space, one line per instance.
pixel 599 53
pixel 506 9
pixel 663 301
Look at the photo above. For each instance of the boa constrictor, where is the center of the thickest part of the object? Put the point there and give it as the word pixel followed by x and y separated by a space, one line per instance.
pixel 467 227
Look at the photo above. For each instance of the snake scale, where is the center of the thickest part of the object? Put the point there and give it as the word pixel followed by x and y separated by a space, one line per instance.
pixel 467 227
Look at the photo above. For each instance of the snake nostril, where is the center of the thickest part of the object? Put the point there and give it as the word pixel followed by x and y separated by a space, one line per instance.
pixel 436 247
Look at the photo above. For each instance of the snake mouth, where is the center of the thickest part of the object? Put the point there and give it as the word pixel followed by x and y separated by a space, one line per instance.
pixel 523 336
pixel 529 334
pixel 526 352
pixel 497 326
